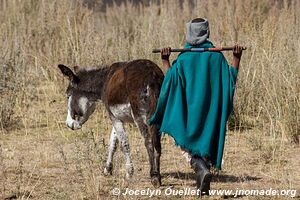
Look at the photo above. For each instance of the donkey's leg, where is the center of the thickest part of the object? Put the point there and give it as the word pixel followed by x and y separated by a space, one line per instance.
pixel 154 134
pixel 113 143
pixel 152 143
pixel 123 139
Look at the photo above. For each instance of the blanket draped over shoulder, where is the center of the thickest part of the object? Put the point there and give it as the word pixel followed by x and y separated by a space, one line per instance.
pixel 195 102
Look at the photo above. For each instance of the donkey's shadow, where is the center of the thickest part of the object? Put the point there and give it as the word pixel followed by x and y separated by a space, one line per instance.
pixel 223 178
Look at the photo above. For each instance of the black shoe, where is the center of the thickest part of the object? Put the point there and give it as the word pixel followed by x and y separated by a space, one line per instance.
pixel 203 175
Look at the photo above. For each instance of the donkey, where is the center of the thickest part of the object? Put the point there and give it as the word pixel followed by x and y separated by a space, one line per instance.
pixel 129 91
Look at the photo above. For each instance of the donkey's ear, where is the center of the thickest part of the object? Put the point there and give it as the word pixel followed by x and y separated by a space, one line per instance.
pixel 68 72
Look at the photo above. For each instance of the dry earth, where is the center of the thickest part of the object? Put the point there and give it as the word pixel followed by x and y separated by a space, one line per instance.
pixel 48 161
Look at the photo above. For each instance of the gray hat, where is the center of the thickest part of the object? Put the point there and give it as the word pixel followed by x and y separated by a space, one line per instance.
pixel 197 31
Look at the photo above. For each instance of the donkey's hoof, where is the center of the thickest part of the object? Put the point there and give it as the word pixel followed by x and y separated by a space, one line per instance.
pixel 128 176
pixel 107 171
pixel 129 171
pixel 156 181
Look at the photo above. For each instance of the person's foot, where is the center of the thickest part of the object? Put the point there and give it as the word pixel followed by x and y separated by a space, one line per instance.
pixel 203 182
pixel 203 175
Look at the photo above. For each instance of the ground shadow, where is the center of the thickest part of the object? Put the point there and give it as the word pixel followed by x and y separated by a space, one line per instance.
pixel 179 175
pixel 233 179
pixel 216 178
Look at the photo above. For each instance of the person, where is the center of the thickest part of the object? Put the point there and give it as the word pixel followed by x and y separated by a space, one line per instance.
pixel 196 99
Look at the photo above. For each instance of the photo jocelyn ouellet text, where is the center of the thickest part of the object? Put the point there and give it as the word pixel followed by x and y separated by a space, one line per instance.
pixel 170 191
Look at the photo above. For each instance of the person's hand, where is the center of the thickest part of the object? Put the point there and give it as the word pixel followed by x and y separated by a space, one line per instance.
pixel 237 54
pixel 237 51
pixel 165 53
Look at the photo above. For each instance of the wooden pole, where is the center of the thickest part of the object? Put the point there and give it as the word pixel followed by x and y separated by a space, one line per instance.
pixel 199 49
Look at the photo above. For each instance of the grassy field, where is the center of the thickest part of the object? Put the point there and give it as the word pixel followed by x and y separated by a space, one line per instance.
pixel 41 159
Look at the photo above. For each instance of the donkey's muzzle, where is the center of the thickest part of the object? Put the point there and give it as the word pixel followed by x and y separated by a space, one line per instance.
pixel 74 125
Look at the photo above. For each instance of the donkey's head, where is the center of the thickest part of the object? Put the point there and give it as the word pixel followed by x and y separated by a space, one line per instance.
pixel 81 102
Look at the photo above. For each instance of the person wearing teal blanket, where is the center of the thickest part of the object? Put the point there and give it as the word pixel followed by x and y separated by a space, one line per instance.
pixel 196 99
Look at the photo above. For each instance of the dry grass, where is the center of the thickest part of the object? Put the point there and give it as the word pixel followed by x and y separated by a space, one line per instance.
pixel 41 159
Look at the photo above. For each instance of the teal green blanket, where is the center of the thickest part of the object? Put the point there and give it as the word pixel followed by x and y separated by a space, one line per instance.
pixel 195 102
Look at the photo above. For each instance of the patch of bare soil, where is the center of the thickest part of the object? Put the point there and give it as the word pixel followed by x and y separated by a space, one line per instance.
pixel 68 165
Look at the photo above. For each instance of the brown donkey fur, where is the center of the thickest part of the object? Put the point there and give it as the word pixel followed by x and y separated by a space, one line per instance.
pixel 129 91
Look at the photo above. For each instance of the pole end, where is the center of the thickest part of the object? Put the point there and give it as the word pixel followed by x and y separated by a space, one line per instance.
pixel 156 51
